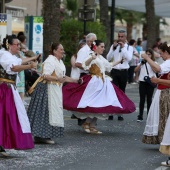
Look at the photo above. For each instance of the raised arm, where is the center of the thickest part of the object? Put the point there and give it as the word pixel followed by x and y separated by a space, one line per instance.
pixel 155 67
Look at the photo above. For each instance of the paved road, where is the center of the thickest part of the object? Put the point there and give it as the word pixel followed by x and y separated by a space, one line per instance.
pixel 118 148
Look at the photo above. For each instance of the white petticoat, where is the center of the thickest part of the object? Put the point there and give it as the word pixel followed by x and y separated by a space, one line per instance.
pixel 152 122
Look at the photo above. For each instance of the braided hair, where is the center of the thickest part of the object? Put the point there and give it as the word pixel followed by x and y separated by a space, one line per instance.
pixel 54 46
pixel 164 47
pixel 8 40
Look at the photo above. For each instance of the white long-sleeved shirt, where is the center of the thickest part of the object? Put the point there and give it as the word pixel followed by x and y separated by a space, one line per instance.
pixel 82 55
pixel 126 53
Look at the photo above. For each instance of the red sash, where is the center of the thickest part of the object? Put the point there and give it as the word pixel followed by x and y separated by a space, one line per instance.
pixel 160 86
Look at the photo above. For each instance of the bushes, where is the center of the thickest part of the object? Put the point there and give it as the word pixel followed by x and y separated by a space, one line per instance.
pixel 72 32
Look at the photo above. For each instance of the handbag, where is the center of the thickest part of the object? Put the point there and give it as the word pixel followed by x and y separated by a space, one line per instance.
pixel 148 79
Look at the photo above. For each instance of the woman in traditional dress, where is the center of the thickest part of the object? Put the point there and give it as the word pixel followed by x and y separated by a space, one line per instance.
pixel 97 97
pixel 15 132
pixel 45 111
pixel 159 110
pixel 165 144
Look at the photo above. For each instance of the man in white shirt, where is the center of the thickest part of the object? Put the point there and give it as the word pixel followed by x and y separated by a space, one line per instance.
pixel 84 52
pixel 119 73
pixel 82 55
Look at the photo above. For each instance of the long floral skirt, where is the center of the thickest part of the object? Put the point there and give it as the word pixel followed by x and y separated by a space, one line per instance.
pixel 163 116
pixel 38 114
pixel 11 135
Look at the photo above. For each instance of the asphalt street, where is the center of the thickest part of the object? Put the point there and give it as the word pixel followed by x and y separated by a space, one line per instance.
pixel 118 148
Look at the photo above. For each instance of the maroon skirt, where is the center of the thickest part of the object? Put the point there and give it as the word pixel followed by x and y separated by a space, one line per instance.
pixel 72 93
pixel 11 135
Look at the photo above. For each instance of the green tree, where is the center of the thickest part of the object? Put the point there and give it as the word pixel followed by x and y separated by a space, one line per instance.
pixel 131 18
pixel 51 27
pixel 72 6
pixel 72 33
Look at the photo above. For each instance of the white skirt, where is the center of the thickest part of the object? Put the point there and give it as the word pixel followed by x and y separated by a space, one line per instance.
pixel 152 122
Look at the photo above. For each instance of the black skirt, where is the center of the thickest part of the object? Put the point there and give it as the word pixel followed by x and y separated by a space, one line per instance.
pixel 38 114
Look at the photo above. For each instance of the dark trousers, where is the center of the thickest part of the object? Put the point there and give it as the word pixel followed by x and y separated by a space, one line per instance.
pixel 131 74
pixel 145 91
pixel 120 78
pixel 81 121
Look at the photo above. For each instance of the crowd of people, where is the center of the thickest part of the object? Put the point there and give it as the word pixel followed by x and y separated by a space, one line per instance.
pixel 93 93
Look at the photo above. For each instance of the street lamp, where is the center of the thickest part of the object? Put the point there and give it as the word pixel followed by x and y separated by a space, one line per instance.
pixel 86 11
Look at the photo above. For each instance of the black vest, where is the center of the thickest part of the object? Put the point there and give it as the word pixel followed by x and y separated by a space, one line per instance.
pixel 5 75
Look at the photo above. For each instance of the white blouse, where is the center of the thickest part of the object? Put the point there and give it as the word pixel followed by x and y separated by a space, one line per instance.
pixel 53 64
pixel 7 60
pixel 101 62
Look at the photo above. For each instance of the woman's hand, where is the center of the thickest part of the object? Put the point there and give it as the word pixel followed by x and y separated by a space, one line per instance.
pixel 80 81
pixel 144 56
pixel 122 60
pixel 168 76
pixel 155 80
pixel 38 57
pixel 94 56
pixel 61 79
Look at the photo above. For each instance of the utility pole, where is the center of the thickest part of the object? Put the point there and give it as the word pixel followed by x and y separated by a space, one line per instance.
pixel 86 12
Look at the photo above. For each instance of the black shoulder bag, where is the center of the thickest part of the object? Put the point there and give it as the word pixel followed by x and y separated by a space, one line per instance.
pixel 147 78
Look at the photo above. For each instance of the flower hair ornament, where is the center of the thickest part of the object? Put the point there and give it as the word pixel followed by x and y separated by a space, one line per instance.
pixel 168 45
pixel 93 46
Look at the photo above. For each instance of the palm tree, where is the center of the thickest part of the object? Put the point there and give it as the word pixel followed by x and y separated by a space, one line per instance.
pixel 51 27
pixel 151 24
pixel 131 18
pixel 72 6
pixel 104 19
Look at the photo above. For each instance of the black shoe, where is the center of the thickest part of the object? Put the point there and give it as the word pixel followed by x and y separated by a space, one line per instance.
pixel 81 121
pixel 2 151
pixel 43 140
pixel 120 118
pixel 140 119
pixel 110 118
pixel 73 116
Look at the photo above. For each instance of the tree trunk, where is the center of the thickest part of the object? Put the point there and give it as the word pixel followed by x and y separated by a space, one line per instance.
pixel 104 19
pixel 157 32
pixel 51 26
pixel 129 31
pixel 151 26
pixel 144 31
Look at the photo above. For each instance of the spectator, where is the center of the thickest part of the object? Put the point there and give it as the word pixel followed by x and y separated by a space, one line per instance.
pixel 145 89
pixel 75 71
pixel 133 62
pixel 119 72
pixel 144 43
pixel 22 39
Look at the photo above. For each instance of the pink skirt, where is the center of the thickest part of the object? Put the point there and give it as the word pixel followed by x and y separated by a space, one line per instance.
pixel 72 93
pixel 11 135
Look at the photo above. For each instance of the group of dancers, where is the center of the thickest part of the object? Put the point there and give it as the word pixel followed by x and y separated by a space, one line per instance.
pixel 91 96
